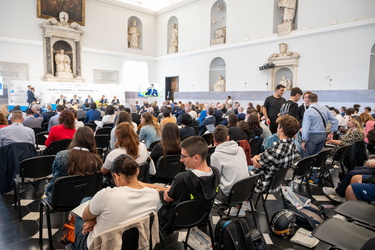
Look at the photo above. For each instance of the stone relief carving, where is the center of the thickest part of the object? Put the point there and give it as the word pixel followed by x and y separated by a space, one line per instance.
pixel 106 76
pixel 220 35
pixel 286 82
pixel 283 54
pixel 63 21
pixel 289 10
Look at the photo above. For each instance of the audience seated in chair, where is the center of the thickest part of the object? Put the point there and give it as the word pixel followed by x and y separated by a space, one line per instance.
pixel 281 155
pixel 186 127
pixel 109 118
pixel 127 143
pixel 54 120
pixel 65 130
pixel 112 207
pixel 230 160
pixel 123 116
pixel 235 133
pixel 150 131
pixel 169 143
pixel 93 114
pixel 81 158
pixel 206 121
pixel 199 182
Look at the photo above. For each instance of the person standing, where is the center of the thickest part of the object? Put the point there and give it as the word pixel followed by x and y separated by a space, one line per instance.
pixel 304 106
pixel 314 124
pixel 272 105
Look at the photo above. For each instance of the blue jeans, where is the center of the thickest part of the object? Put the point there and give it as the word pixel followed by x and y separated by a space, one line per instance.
pixel 314 144
pixel 80 242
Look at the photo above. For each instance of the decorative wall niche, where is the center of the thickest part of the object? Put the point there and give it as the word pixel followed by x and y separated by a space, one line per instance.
pixel 218 23
pixel 217 75
pixel 135 31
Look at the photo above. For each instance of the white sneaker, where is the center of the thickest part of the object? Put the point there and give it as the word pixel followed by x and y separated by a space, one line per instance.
pixel 337 198
pixel 234 210
pixel 329 191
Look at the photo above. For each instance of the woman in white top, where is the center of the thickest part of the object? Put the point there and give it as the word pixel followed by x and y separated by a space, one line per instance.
pixel 123 116
pixel 127 143
pixel 111 207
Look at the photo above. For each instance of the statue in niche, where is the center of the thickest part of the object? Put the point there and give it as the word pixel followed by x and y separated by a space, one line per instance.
pixel 133 35
pixel 284 53
pixel 174 40
pixel 220 35
pixel 62 62
pixel 63 21
pixel 286 82
pixel 220 84
pixel 289 8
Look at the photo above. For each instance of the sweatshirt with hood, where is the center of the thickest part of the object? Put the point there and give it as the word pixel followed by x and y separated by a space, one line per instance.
pixel 230 160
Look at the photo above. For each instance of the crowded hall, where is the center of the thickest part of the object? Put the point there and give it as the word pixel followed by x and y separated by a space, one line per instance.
pixel 176 124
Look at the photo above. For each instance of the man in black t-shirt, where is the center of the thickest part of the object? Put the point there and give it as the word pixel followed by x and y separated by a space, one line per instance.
pixel 272 105
pixel 291 106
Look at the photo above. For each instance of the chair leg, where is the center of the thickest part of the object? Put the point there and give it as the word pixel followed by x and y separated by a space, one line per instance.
pixel 49 229
pixel 266 212
pixel 186 239
pixel 161 239
pixel 41 224
pixel 308 189
pixel 256 223
pixel 211 232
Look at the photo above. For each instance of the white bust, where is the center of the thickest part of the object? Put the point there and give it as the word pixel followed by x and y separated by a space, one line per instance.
pixel 64 18
pixel 286 82
pixel 220 84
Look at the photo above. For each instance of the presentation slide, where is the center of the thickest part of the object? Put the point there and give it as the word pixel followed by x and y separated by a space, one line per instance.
pixel 49 92
pixel 150 90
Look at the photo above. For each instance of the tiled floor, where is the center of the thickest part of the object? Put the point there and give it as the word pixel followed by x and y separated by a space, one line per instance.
pixel 24 235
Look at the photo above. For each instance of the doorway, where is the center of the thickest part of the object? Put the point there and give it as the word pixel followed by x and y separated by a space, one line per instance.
pixel 171 86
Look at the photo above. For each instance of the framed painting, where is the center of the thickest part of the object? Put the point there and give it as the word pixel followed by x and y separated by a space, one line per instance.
pixel 52 8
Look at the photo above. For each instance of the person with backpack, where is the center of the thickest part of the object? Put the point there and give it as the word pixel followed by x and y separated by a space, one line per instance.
pixel 291 106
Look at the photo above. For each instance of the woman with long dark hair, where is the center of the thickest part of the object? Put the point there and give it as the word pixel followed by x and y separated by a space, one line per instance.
pixel 123 116
pixel 235 133
pixel 169 143
pixel 65 130
pixel 81 158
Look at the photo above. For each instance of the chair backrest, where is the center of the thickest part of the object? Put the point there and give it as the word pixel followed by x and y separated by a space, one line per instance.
pixel 57 146
pixel 303 166
pixel 277 178
pixel 36 167
pixel 91 125
pixel 321 158
pixel 255 145
pixel 103 131
pixel 130 239
pixel 41 138
pixel 242 190
pixel 190 213
pixel 108 125
pixel 211 150
pixel 168 167
pixel 144 169
pixel 68 191
pixel 45 126
pixel 153 144
pixel 37 130
pixel 102 141
pixel 208 138
pixel 340 153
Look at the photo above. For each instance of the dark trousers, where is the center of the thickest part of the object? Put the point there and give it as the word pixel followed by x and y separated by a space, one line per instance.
pixel 340 190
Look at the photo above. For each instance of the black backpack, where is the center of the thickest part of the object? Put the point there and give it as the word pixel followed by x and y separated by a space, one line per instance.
pixel 234 233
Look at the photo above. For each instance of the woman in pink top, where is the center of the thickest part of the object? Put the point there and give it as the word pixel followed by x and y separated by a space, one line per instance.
pixel 65 130
pixel 369 123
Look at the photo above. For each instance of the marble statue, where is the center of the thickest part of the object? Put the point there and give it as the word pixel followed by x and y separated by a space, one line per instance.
pixel 286 82
pixel 284 53
pixel 133 35
pixel 62 62
pixel 220 84
pixel 289 10
pixel 220 35
pixel 174 40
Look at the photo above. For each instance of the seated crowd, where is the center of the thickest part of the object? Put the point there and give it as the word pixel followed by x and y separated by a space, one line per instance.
pixel 145 134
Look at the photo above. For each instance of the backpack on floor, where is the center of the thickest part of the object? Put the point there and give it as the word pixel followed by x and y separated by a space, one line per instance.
pixel 308 217
pixel 234 233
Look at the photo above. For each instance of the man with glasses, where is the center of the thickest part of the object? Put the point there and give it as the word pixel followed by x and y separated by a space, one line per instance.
pixel 199 181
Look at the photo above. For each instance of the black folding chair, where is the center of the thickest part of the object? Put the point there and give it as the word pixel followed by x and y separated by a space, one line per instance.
pixel 35 167
pixel 275 182
pixel 144 175
pixel 58 146
pixel 358 211
pixel 67 194
pixel 103 131
pixel 187 215
pixel 211 150
pixel 255 145
pixel 91 125
pixel 338 157
pixel 319 164
pixel 152 145
pixel 108 125
pixel 102 141
pixel 208 138
pixel 302 171
pixel 168 167
pixel 241 191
